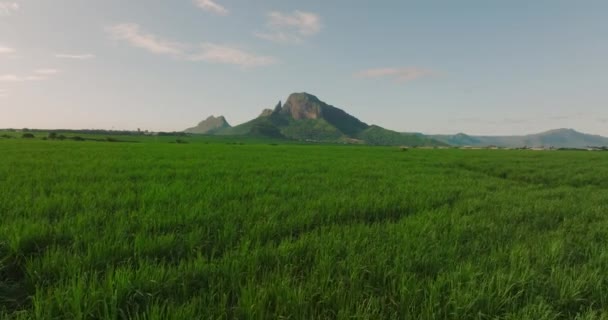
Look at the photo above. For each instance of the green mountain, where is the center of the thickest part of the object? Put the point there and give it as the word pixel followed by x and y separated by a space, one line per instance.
pixel 303 106
pixel 560 138
pixel 376 135
pixel 305 117
pixel 210 125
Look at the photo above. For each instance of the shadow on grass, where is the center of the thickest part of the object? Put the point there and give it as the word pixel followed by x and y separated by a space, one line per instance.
pixel 15 288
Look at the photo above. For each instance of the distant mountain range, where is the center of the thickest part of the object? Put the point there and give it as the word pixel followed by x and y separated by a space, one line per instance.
pixel 306 118
pixel 560 138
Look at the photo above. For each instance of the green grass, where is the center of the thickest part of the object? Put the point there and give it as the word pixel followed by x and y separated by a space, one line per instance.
pixel 222 229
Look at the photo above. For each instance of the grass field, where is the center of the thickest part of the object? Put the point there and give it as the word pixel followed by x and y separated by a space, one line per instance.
pixel 219 230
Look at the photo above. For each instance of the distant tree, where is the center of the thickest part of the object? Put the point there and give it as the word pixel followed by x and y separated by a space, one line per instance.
pixel 28 136
pixel 52 135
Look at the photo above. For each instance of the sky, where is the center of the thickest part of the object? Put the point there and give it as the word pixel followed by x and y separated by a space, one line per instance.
pixel 475 66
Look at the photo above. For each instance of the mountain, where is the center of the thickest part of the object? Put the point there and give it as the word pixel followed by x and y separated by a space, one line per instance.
pixel 304 117
pixel 303 106
pixel 460 139
pixel 376 135
pixel 210 125
pixel 560 138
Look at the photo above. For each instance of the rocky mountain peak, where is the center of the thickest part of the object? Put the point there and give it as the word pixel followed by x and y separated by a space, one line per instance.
pixel 303 106
pixel 266 113
pixel 210 125
pixel 269 112
pixel 278 107
pixel 213 118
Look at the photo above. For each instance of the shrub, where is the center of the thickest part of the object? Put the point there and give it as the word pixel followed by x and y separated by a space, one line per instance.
pixel 28 136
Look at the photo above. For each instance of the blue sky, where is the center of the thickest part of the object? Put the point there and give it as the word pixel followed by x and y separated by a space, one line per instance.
pixel 481 67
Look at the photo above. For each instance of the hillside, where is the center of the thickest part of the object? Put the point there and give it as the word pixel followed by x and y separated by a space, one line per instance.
pixel 376 135
pixel 305 117
pixel 209 125
pixel 303 106
pixel 560 138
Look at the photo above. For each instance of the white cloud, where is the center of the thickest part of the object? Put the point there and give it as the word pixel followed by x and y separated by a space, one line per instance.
pixel 83 56
pixel 212 6
pixel 46 71
pixel 397 74
pixel 16 78
pixel 291 27
pixel 278 36
pixel 306 23
pixel 10 78
pixel 35 78
pixel 216 53
pixel 7 8
pixel 6 50
pixel 133 34
pixel 208 52
pixel 37 75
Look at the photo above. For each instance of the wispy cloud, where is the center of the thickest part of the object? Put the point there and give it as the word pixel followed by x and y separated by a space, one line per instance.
pixel 132 33
pixel 397 74
pixel 216 53
pixel 83 56
pixel 36 75
pixel 290 27
pixel 212 6
pixel 47 71
pixel 280 37
pixel 208 52
pixel 18 78
pixel 10 78
pixel 7 8
pixel 6 50
pixel 306 23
